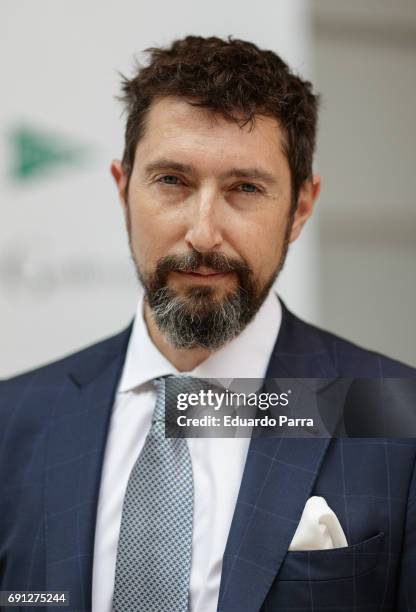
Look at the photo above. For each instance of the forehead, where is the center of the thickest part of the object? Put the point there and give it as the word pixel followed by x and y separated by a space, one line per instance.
pixel 175 127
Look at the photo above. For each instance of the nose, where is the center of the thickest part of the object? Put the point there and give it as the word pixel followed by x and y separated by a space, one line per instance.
pixel 204 231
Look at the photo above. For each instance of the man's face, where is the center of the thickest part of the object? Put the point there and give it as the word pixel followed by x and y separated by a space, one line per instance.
pixel 208 216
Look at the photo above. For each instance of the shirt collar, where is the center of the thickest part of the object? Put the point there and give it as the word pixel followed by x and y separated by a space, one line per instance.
pixel 246 356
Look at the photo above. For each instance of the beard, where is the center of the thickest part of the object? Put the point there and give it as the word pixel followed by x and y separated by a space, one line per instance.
pixel 196 317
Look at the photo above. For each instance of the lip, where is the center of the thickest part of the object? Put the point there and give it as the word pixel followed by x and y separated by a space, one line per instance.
pixel 204 271
pixel 204 275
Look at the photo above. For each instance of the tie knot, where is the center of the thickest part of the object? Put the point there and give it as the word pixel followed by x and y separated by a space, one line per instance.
pixel 159 411
pixel 168 388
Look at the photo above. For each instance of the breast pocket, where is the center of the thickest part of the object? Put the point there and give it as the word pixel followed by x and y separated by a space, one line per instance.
pixel 347 577
pixel 332 564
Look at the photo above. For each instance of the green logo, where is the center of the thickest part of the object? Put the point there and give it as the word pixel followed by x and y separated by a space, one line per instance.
pixel 37 153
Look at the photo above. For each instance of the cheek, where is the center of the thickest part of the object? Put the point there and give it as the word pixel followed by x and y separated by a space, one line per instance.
pixel 261 245
pixel 153 234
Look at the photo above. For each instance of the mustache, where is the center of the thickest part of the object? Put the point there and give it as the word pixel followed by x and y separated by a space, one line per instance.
pixel 190 262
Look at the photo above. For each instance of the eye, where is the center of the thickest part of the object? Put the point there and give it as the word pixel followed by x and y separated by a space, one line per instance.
pixel 248 188
pixel 169 179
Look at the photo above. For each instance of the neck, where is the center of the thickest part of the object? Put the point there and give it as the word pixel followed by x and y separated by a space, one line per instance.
pixel 184 360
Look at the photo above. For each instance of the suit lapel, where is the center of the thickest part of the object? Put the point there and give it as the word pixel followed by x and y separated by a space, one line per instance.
pixel 76 442
pixel 278 478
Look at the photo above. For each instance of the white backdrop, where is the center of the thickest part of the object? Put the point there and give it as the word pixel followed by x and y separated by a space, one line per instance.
pixel 66 279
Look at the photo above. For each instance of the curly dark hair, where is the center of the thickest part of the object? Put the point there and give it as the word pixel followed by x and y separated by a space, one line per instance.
pixel 233 78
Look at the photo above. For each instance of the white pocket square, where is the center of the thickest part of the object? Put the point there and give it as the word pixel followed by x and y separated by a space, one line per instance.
pixel 319 528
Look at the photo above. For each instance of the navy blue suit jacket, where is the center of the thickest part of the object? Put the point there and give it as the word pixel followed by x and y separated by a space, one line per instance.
pixel 53 429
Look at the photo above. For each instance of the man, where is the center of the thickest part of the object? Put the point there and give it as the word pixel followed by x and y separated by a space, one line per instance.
pixel 215 182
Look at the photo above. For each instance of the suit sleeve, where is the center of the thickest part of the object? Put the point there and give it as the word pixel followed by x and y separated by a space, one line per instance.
pixel 406 598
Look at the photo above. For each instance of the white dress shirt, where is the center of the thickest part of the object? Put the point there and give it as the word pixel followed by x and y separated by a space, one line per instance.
pixel 217 464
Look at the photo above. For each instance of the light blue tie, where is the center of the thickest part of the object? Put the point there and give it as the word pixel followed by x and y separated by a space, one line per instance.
pixel 155 542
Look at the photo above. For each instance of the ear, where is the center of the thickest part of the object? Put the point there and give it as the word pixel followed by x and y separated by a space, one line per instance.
pixel 120 179
pixel 308 193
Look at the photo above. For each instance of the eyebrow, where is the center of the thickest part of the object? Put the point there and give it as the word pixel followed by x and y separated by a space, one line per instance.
pixel 167 164
pixel 246 173
pixel 250 173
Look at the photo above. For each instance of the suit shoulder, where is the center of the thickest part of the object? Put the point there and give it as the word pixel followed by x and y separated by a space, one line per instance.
pixel 351 359
pixel 28 400
pixel 357 360
pixel 53 372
